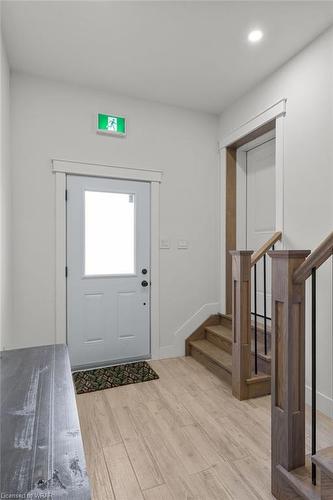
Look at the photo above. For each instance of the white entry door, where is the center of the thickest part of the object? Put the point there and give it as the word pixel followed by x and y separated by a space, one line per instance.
pixel 261 212
pixel 108 260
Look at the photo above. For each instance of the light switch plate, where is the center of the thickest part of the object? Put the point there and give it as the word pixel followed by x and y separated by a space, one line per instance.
pixel 182 244
pixel 165 243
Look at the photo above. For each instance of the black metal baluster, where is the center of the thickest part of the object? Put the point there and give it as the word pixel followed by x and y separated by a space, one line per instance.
pixel 314 373
pixel 255 322
pixel 261 316
pixel 265 307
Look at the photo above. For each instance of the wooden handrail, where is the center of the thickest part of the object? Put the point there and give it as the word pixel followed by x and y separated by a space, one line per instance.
pixel 265 247
pixel 315 259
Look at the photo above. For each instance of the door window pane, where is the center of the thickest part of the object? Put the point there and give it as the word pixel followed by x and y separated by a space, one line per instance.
pixel 109 233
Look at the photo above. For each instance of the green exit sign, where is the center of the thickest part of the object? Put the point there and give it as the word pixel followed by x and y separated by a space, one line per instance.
pixel 111 124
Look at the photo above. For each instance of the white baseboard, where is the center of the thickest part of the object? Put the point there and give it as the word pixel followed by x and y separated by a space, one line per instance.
pixel 177 348
pixel 171 351
pixel 324 403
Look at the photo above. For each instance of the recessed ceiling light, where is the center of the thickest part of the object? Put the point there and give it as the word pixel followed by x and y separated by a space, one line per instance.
pixel 255 36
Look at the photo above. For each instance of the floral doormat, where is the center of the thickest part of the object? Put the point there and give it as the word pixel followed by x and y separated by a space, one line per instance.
pixel 113 376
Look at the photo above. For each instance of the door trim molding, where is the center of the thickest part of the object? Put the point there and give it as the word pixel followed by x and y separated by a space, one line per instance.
pixel 62 168
pixel 249 130
pixel 100 170
pixel 271 113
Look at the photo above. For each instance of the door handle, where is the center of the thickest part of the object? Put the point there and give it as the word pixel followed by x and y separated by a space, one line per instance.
pixel 144 283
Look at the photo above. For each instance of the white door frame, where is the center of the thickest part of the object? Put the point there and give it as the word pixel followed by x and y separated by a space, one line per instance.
pixel 275 112
pixel 62 168
pixel 241 186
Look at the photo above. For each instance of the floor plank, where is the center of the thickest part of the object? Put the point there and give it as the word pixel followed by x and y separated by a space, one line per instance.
pixel 123 479
pixel 261 469
pixel 229 476
pixel 100 483
pixel 159 493
pixel 180 437
pixel 208 487
pixel 143 463
pixel 102 415
pixel 175 435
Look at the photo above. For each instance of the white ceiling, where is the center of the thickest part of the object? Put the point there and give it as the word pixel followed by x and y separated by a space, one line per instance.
pixel 193 54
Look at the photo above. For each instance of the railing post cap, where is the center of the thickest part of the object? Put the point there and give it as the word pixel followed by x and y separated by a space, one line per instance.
pixel 286 254
pixel 241 252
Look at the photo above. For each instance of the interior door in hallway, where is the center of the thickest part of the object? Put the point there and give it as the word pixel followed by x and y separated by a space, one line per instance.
pixel 108 259
pixel 260 210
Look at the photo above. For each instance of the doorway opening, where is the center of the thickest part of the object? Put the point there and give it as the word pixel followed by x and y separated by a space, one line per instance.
pixel 270 121
pixel 256 211
pixel 100 190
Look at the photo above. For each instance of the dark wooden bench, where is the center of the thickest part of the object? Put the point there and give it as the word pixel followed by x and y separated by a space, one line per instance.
pixel 41 447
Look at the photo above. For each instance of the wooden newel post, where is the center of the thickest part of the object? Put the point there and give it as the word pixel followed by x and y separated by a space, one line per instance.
pixel 288 368
pixel 241 322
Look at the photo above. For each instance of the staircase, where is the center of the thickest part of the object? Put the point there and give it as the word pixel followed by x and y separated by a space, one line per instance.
pixel 237 348
pixel 211 345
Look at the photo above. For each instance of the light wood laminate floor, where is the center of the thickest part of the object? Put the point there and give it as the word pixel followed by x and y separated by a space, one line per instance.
pixel 180 437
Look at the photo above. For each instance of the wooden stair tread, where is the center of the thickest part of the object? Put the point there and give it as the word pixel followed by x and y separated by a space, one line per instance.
pixel 226 320
pixel 300 481
pixel 213 352
pixel 260 377
pixel 226 333
pixel 228 316
pixel 324 460
pixel 221 331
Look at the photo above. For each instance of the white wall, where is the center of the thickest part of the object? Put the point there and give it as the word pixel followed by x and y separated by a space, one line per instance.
pixel 307 82
pixel 52 120
pixel 5 294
